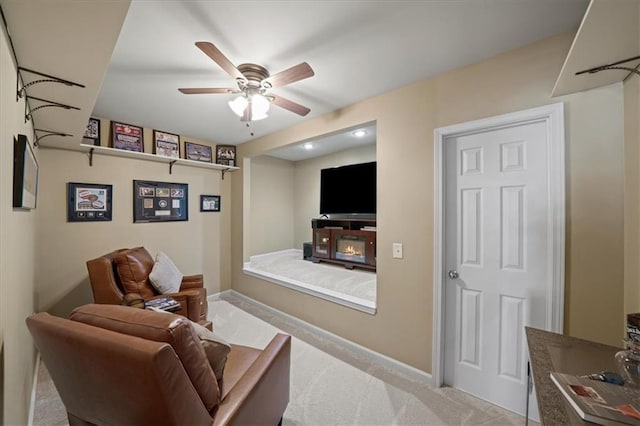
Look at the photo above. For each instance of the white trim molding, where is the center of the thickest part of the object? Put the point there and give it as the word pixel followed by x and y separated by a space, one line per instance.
pixel 553 116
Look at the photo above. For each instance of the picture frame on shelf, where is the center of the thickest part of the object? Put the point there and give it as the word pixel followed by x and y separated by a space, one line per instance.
pixel 160 201
pixel 92 132
pixel 127 137
pixel 197 152
pixel 89 202
pixel 226 155
pixel 166 144
pixel 209 203
pixel 25 174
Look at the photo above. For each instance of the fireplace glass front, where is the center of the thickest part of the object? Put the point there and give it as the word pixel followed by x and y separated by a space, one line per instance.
pixel 351 248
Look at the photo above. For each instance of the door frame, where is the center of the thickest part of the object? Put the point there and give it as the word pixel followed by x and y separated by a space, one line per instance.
pixel 553 116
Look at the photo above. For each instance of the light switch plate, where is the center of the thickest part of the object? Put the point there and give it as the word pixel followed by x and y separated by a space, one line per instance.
pixel 397 250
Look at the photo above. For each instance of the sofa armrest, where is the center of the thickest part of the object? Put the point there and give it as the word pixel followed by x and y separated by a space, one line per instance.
pixel 192 281
pixel 190 303
pixel 261 395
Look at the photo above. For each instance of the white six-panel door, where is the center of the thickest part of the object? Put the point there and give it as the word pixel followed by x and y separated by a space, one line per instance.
pixel 499 249
pixel 496 243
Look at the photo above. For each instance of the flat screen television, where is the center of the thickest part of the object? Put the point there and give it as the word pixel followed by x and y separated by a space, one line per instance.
pixel 348 189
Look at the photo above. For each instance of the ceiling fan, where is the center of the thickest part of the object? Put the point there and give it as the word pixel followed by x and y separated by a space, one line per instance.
pixel 253 83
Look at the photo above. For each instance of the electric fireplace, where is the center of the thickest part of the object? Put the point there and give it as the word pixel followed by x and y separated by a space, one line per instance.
pixel 351 248
pixel 351 243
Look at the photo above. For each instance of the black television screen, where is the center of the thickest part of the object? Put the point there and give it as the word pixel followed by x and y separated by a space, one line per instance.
pixel 348 189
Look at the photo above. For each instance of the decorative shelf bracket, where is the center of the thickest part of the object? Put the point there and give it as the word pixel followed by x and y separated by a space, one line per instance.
pixel 48 133
pixel 171 163
pixel 223 172
pixel 91 157
pixel 47 79
pixel 613 66
pixel 28 112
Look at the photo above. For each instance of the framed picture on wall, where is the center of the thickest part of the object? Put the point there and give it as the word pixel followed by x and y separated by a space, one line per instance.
pixel 226 155
pixel 209 203
pixel 166 144
pixel 127 137
pixel 92 132
pixel 160 201
pixel 88 202
pixel 25 174
pixel 197 152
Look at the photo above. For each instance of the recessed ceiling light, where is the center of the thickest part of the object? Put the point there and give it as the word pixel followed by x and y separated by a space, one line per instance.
pixel 308 146
pixel 359 133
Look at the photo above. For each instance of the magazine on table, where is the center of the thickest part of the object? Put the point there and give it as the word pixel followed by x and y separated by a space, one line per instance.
pixel 165 303
pixel 600 402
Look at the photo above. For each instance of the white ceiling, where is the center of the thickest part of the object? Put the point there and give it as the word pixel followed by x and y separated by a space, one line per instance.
pixel 358 49
pixel 327 144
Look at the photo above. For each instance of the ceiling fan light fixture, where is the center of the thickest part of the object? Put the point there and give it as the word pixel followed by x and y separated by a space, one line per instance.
pixel 238 105
pixel 259 105
pixel 256 117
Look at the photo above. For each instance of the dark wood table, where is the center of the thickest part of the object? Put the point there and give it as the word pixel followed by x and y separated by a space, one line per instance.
pixel 555 352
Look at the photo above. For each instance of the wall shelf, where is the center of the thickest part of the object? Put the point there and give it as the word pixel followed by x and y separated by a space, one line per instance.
pixel 608 34
pixel 92 150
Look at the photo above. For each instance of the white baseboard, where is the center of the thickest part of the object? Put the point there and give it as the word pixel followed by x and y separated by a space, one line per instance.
pixel 387 361
pixel 34 387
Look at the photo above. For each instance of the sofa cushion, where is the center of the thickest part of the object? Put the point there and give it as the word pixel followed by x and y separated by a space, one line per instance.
pixel 169 328
pixel 215 347
pixel 134 266
pixel 165 275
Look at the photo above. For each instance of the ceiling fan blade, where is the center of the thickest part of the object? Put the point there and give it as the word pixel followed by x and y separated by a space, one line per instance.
pixel 289 105
pixel 291 75
pixel 211 51
pixel 203 90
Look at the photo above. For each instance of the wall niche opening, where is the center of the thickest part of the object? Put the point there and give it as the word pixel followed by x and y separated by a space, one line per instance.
pixel 283 211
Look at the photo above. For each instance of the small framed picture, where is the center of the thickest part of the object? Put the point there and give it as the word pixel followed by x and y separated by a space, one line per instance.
pixel 166 144
pixel 226 155
pixel 127 137
pixel 92 132
pixel 196 152
pixel 88 202
pixel 209 203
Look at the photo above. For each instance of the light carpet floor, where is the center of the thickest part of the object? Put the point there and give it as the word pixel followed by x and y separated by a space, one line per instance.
pixel 330 385
pixel 289 264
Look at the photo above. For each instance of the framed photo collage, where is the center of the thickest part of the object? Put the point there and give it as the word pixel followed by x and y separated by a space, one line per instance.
pixel 130 137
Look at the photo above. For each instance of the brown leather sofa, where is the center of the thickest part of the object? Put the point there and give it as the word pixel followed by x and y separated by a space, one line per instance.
pixel 126 271
pixel 118 365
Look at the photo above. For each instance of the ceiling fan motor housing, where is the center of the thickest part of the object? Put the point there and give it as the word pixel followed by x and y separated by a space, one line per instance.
pixel 254 74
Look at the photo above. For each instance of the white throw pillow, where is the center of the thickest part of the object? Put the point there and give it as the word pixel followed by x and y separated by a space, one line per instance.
pixel 165 276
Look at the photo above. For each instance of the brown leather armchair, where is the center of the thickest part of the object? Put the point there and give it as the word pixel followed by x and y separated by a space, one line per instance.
pixel 143 373
pixel 126 271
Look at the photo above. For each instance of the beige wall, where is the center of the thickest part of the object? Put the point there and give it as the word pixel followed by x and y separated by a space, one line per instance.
pixel 307 186
pixel 196 246
pixel 285 196
pixel 272 202
pixel 406 118
pixel 632 192
pixel 17 255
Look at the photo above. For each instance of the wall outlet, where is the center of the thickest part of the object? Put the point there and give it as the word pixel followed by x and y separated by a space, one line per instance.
pixel 397 250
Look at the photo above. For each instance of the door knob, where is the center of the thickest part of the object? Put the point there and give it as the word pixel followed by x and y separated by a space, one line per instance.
pixel 453 274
